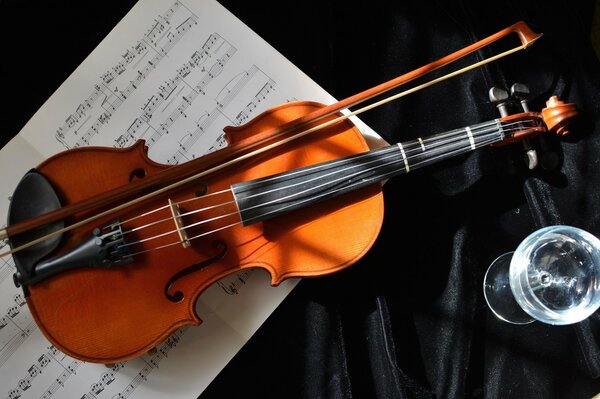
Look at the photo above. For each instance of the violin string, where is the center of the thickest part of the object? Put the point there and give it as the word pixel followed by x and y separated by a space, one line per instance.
pixel 401 162
pixel 177 230
pixel 169 206
pixel 436 142
pixel 485 141
pixel 187 239
pixel 178 242
pixel 392 153
pixel 170 218
pixel 454 136
pixel 255 152
pixel 443 154
pixel 411 149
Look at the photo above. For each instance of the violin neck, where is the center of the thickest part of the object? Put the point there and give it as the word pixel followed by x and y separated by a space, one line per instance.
pixel 270 196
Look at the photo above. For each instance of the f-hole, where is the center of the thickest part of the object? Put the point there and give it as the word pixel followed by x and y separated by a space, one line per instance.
pixel 177 296
pixel 137 174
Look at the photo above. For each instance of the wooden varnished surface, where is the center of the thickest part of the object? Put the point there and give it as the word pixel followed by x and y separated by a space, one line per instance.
pixel 109 315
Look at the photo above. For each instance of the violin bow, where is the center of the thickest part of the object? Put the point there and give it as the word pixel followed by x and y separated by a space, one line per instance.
pixel 180 175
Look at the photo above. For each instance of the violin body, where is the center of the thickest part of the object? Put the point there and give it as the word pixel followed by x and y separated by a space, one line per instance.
pixel 110 314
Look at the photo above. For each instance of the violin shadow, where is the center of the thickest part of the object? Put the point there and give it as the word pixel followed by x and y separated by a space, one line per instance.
pixel 324 237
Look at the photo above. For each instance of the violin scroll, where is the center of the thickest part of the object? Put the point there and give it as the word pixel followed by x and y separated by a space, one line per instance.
pixel 555 118
pixel 522 126
pixel 557 115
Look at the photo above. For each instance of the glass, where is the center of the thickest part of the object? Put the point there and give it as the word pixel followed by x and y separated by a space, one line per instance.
pixel 553 276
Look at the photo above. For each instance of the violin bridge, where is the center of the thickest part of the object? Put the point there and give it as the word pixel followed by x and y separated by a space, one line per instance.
pixel 183 237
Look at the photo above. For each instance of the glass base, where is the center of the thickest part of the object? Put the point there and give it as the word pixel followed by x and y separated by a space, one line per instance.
pixel 498 294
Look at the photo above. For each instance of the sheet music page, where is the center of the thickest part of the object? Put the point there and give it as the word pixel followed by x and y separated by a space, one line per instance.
pixel 173 73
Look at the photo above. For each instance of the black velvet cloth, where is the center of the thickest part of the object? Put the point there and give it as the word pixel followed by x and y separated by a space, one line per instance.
pixel 409 320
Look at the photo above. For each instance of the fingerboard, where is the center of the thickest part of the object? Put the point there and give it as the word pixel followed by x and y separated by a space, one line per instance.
pixel 267 197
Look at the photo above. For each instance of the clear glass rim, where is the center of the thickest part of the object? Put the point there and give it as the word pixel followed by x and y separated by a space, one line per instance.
pixel 525 295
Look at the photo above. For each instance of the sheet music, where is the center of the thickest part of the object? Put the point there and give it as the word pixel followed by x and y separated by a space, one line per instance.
pixel 173 73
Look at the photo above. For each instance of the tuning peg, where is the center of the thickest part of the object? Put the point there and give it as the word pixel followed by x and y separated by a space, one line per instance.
pixel 531 158
pixel 520 92
pixel 499 97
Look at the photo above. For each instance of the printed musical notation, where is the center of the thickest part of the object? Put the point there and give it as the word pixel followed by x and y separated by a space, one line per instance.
pixel 185 71
pixel 175 96
pixel 120 81
pixel 169 110
pixel 7 267
pixel 104 382
pixel 15 327
pixel 152 361
pixel 233 284
pixel 117 385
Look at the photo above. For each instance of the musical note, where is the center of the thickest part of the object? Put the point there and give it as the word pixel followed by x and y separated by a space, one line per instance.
pixel 262 94
pixel 221 142
pixel 33 371
pixel 13 311
pixel 59 382
pixel 235 86
pixel 19 300
pixel 108 377
pixel 97 387
pixel 14 394
pixel 24 384
pixel 190 139
pixel 232 286
pixel 158 105
pixel 3 322
pixel 107 76
pixel 43 360
pixel 155 31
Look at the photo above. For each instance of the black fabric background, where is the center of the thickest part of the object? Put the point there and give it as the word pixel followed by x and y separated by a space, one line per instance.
pixel 409 319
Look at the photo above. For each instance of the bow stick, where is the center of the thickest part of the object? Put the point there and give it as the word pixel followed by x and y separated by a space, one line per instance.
pixel 180 175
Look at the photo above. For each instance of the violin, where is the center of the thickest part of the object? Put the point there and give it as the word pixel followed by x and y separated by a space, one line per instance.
pixel 113 249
